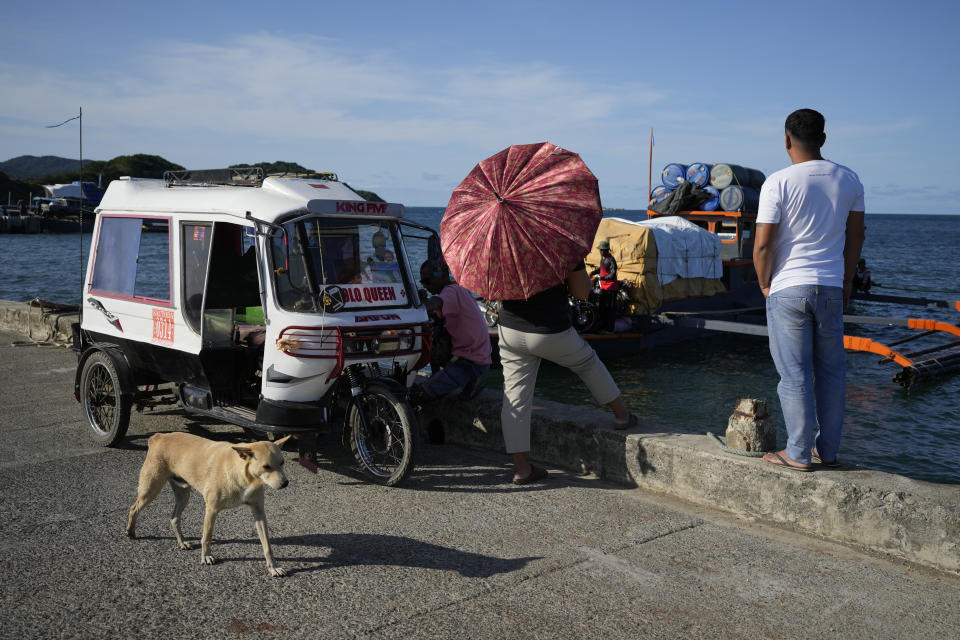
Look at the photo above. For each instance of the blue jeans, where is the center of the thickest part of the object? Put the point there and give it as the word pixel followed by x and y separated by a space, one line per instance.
pixel 456 375
pixel 805 325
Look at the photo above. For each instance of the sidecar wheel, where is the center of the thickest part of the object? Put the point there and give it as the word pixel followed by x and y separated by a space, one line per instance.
pixel 105 404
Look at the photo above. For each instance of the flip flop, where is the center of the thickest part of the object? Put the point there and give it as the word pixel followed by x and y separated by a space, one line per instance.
pixel 783 463
pixel 536 473
pixel 815 458
pixel 631 422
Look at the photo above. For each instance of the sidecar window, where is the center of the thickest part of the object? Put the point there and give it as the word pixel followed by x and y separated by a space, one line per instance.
pixel 196 253
pixel 130 263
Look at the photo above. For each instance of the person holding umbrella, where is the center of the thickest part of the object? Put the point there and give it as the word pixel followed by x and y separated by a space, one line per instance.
pixel 540 328
pixel 516 230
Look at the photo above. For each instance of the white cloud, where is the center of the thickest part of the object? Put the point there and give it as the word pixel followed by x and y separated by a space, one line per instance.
pixel 382 121
pixel 309 88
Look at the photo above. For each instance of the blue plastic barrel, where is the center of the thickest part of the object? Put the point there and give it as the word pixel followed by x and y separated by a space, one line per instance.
pixel 673 174
pixel 714 201
pixel 724 175
pixel 756 178
pixel 659 192
pixel 699 173
pixel 737 198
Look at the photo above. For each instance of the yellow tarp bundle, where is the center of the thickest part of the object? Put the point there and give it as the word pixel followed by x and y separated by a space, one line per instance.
pixel 635 250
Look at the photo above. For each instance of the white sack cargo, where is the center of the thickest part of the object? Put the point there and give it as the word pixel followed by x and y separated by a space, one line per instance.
pixel 684 250
pixel 663 259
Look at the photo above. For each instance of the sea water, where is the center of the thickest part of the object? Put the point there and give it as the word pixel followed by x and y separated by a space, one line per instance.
pixel 692 387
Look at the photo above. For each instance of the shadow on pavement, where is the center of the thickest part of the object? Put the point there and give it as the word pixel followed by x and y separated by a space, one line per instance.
pixel 359 549
pixel 350 549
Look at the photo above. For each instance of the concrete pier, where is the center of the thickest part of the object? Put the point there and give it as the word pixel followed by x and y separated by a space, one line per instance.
pixel 909 519
pixel 457 551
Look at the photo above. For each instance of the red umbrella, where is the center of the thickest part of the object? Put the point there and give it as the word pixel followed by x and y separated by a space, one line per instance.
pixel 520 221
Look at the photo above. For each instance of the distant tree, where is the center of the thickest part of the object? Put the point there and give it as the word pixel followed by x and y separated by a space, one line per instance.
pixel 276 167
pixel 139 165
pixel 13 191
pixel 369 195
pixel 29 167
pixel 281 166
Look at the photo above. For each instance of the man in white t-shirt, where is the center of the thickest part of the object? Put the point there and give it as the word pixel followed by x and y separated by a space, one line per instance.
pixel 810 229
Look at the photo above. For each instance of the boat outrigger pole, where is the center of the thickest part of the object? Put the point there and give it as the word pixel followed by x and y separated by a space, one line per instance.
pixel 876 297
pixel 923 363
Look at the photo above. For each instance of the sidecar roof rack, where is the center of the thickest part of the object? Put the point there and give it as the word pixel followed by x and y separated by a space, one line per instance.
pixel 233 176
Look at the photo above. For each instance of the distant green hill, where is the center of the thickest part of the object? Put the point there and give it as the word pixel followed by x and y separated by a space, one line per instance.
pixel 139 165
pixel 292 167
pixel 276 167
pixel 370 196
pixel 53 170
pixel 34 171
pixel 36 166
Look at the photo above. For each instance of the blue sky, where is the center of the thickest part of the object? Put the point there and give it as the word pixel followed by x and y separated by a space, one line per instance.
pixel 405 97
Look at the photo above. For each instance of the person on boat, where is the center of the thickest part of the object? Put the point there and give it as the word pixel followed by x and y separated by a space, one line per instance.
pixel 810 229
pixel 469 336
pixel 861 277
pixel 606 274
pixel 540 328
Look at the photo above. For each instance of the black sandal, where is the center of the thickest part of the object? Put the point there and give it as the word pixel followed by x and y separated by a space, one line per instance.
pixel 816 459
pixel 536 473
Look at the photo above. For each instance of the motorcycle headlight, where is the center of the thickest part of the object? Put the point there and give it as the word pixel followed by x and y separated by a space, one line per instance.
pixel 394 340
pixel 353 343
pixel 386 342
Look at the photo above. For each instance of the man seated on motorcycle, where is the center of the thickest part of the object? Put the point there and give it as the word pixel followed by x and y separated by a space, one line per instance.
pixel 468 331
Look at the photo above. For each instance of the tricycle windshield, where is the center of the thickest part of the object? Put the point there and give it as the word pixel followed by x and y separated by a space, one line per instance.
pixel 323 263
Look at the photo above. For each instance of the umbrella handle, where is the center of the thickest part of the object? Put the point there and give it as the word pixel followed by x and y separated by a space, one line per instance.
pixel 499 197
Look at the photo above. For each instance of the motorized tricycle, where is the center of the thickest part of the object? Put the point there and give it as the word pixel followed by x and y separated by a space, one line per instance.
pixel 278 304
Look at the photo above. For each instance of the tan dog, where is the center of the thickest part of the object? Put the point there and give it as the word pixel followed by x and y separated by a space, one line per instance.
pixel 226 475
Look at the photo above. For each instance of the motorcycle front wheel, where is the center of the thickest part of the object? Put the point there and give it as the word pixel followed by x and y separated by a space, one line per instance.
pixel 384 447
pixel 584 315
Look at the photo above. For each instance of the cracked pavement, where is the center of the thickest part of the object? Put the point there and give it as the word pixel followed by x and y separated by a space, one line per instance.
pixel 456 552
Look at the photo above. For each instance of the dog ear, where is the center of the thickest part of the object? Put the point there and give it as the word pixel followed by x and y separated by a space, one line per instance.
pixel 244 452
pixel 282 440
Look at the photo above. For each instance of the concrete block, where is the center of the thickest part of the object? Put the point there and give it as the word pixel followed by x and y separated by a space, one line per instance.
pixel 750 427
pixel 41 323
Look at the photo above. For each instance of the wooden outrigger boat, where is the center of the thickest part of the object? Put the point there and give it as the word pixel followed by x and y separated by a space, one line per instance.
pixel 736 230
pixel 739 308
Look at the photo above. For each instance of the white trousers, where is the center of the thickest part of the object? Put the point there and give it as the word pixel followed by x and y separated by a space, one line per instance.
pixel 520 355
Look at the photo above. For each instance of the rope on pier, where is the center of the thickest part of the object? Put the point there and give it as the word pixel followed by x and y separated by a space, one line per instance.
pixel 739 452
pixel 47 344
